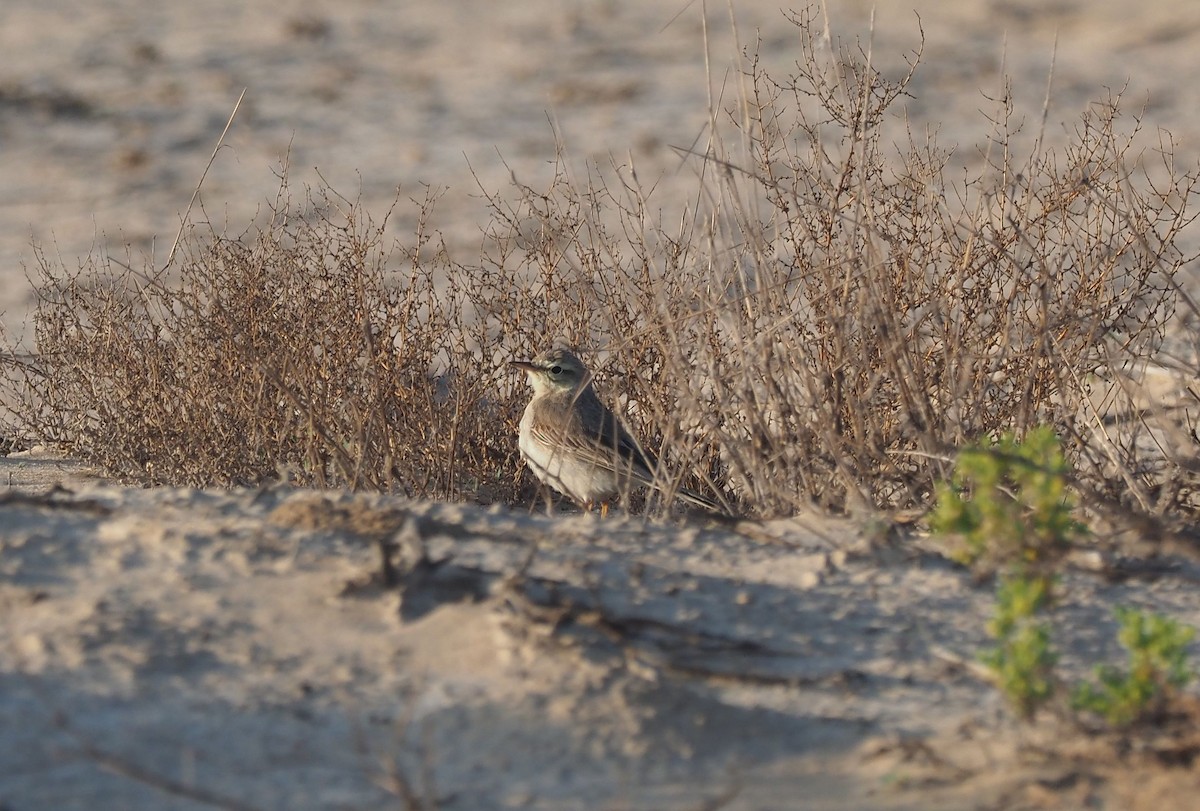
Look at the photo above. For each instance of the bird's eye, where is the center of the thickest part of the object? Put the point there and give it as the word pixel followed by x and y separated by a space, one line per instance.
pixel 555 370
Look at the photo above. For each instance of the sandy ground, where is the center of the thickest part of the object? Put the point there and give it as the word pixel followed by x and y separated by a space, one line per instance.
pixel 180 649
pixel 177 649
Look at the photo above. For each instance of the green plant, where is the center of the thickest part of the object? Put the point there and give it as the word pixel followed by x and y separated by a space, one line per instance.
pixel 1009 501
pixel 1023 659
pixel 1157 668
pixel 1010 504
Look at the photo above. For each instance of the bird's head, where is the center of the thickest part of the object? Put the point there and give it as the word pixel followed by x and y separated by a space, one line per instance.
pixel 555 370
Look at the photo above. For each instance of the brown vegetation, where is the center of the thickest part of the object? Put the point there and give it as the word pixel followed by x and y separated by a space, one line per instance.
pixel 825 325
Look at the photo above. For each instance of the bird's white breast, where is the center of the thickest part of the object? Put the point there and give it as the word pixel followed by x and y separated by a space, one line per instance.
pixel 581 480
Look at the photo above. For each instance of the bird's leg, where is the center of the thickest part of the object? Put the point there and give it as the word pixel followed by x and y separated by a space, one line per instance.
pixel 603 509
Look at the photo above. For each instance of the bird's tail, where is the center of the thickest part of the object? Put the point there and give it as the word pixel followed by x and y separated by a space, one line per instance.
pixel 703 502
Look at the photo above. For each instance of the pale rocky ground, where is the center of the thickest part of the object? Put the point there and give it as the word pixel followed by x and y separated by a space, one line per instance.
pixel 182 649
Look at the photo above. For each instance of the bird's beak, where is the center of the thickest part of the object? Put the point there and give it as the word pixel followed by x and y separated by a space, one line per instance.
pixel 523 365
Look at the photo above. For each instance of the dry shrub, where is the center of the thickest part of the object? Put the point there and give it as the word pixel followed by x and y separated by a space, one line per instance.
pixel 827 321
pixel 300 349
pixel 879 315
pixel 1138 439
pixel 838 317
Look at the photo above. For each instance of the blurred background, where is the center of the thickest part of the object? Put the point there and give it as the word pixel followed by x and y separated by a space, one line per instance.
pixel 110 109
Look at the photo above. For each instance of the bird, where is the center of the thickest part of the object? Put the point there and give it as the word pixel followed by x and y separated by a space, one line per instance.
pixel 574 443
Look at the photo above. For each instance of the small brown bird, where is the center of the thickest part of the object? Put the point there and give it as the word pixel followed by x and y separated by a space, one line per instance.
pixel 575 444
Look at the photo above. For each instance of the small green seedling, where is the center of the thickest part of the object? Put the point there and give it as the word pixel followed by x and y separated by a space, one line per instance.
pixel 1023 660
pixel 1157 669
pixel 1009 502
